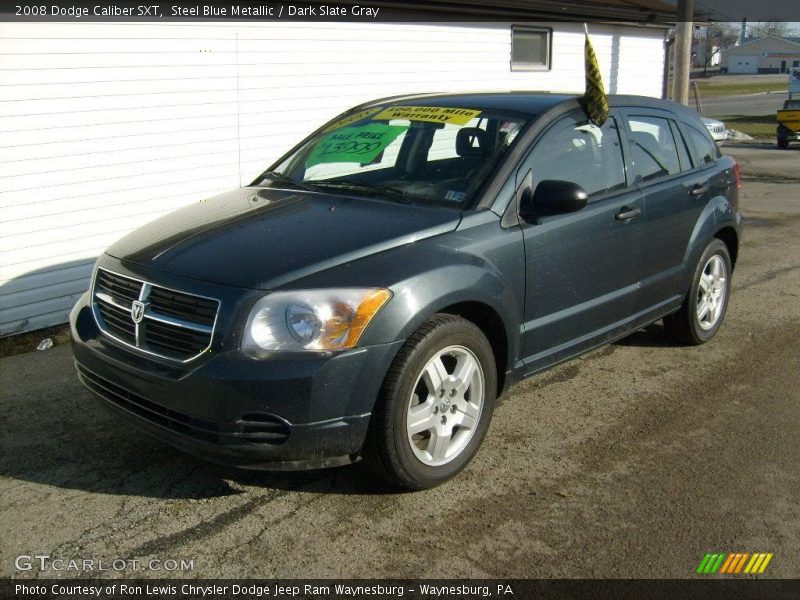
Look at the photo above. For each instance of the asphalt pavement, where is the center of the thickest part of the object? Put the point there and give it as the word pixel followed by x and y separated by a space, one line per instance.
pixel 746 104
pixel 633 461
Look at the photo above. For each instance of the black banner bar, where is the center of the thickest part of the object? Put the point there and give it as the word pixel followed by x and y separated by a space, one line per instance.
pixel 633 11
pixel 329 589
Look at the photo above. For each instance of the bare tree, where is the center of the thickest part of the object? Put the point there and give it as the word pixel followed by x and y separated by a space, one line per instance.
pixel 724 35
pixel 775 28
pixel 717 37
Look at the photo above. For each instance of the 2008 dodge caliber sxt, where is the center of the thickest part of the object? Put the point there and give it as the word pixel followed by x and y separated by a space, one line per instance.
pixel 374 291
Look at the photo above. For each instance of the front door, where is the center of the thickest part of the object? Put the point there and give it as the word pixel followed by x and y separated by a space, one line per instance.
pixel 582 268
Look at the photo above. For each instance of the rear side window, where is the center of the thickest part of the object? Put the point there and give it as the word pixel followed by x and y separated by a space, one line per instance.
pixel 705 149
pixel 582 153
pixel 653 150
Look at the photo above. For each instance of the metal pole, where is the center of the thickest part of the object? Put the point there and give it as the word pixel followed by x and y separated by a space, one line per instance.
pixel 683 51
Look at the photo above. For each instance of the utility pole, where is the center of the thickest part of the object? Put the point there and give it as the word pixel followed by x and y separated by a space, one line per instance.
pixel 665 89
pixel 684 29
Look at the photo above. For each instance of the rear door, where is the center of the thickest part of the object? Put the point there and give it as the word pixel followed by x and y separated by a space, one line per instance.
pixel 582 268
pixel 674 192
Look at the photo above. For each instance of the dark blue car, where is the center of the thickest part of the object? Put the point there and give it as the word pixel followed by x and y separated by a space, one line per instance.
pixel 375 291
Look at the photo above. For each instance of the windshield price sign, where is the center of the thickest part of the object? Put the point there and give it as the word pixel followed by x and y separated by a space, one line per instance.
pixel 355 144
pixel 432 114
pixel 349 120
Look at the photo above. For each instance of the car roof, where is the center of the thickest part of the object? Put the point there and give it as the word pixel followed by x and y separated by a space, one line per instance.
pixel 530 103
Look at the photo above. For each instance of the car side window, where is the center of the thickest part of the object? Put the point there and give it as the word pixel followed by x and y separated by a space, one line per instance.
pixel 653 150
pixel 705 148
pixel 581 152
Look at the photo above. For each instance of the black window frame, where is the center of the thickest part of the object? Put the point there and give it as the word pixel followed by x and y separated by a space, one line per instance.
pixel 680 143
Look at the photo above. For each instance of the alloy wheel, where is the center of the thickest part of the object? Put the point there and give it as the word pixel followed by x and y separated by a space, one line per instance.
pixel 445 406
pixel 711 292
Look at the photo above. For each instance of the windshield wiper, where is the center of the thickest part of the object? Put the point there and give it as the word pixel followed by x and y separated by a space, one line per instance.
pixel 279 177
pixel 363 188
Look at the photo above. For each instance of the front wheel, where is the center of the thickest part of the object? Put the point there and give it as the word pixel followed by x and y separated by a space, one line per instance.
pixel 435 405
pixel 704 307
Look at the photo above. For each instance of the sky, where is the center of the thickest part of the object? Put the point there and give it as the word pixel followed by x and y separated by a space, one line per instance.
pixel 754 10
pixel 794 26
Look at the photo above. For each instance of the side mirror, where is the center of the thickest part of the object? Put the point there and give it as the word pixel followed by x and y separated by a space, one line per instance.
pixel 551 197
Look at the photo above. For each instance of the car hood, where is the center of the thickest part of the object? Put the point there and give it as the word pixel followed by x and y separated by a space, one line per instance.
pixel 261 238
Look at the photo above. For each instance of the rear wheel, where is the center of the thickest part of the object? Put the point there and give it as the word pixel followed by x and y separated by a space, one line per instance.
pixel 435 405
pixel 704 307
pixel 782 137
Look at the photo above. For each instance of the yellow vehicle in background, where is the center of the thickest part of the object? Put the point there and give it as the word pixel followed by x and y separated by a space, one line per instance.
pixel 789 117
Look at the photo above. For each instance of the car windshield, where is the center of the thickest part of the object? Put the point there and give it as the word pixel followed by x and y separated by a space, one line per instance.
pixel 414 154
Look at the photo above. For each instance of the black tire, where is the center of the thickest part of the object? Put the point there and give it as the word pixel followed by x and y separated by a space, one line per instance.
pixel 388 449
pixel 783 137
pixel 684 325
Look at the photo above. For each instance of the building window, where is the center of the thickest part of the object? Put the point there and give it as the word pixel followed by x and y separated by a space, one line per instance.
pixel 530 48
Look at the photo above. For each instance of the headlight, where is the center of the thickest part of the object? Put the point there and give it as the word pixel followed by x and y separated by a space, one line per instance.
pixel 316 320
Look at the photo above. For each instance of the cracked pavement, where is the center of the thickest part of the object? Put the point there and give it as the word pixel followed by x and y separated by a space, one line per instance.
pixel 632 461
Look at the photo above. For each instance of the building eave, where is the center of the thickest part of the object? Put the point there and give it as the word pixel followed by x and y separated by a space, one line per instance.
pixel 632 12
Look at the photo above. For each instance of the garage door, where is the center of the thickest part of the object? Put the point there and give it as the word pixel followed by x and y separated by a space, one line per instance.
pixel 743 64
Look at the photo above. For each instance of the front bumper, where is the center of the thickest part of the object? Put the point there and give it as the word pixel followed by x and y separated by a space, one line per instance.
pixel 281 413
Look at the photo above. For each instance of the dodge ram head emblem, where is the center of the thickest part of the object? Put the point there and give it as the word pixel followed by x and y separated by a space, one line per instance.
pixel 137 311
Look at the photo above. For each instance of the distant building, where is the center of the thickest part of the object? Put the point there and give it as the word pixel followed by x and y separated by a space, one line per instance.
pixel 768 54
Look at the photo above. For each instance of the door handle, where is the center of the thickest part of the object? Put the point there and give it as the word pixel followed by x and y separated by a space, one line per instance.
pixel 698 190
pixel 627 214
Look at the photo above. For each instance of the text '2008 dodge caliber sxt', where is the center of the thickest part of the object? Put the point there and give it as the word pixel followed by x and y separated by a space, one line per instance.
pixel 374 292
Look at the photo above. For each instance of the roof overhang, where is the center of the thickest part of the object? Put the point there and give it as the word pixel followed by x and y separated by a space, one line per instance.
pixel 661 12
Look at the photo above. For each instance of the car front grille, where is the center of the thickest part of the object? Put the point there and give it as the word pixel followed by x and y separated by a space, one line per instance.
pixel 154 319
pixel 251 428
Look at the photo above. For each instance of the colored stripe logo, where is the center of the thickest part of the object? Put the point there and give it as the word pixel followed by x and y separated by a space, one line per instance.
pixel 734 563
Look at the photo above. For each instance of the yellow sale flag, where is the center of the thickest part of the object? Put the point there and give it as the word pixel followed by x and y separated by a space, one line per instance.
pixel 595 102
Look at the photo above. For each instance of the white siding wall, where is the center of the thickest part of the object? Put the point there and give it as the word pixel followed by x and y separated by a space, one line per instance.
pixel 104 127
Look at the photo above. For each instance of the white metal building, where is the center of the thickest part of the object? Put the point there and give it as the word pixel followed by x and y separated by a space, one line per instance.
pixel 106 126
pixel 768 54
